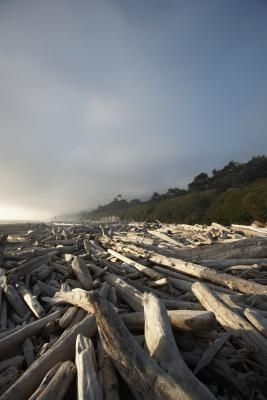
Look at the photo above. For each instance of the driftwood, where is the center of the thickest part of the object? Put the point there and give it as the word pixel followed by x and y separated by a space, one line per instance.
pixel 108 374
pixel 185 320
pixel 48 377
pixel 162 348
pixel 62 350
pixel 233 322
pixel 59 383
pixel 14 339
pixel 87 382
pixel 255 318
pixel 82 272
pixel 143 375
pixel 138 283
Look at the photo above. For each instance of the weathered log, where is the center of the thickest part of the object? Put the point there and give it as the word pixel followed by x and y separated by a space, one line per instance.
pixel 165 238
pixel 7 378
pixel 145 270
pixel 29 266
pixel 31 301
pixel 211 352
pixel 109 375
pixel 232 322
pixel 224 279
pixel 82 272
pixel 130 294
pixel 14 299
pixel 76 297
pixel 185 320
pixel 59 383
pixel 67 318
pixel 163 349
pixel 14 339
pixel 255 318
pixel 15 361
pixel 3 315
pixel 50 374
pixel 28 351
pixel 143 375
pixel 87 382
pixel 62 350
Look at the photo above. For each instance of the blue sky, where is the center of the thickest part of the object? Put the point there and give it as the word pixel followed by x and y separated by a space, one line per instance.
pixel 112 96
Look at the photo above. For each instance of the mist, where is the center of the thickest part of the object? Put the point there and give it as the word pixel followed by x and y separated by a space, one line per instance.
pixel 105 97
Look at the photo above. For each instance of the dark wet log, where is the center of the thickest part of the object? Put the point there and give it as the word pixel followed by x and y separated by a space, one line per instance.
pixel 62 350
pixel 7 378
pixel 82 272
pixel 59 383
pixel 87 382
pixel 211 352
pixel 163 349
pixel 232 322
pixel 67 318
pixel 143 375
pixel 109 375
pixel 13 339
pixel 15 361
pixel 28 351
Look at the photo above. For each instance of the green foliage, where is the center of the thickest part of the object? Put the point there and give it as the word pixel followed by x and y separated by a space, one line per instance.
pixel 234 194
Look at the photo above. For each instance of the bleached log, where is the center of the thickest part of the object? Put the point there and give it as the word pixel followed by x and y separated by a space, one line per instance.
pixel 14 299
pixel 145 270
pixel 163 349
pixel 250 230
pixel 165 238
pixel 31 301
pixel 220 278
pixel 82 272
pixel 59 383
pixel 62 350
pixel 87 382
pixel 232 322
pixel 10 342
pixel 76 297
pixel 255 318
pixel 130 294
pixel 143 375
pixel 184 320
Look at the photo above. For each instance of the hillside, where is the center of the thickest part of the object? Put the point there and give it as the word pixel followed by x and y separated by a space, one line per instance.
pixel 240 205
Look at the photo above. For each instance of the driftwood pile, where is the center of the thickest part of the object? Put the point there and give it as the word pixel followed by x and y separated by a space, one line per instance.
pixel 137 311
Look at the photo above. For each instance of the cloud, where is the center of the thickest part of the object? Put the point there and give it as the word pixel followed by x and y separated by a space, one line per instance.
pixel 103 97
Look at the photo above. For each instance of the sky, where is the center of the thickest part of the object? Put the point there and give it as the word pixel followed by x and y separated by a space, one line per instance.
pixel 107 97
